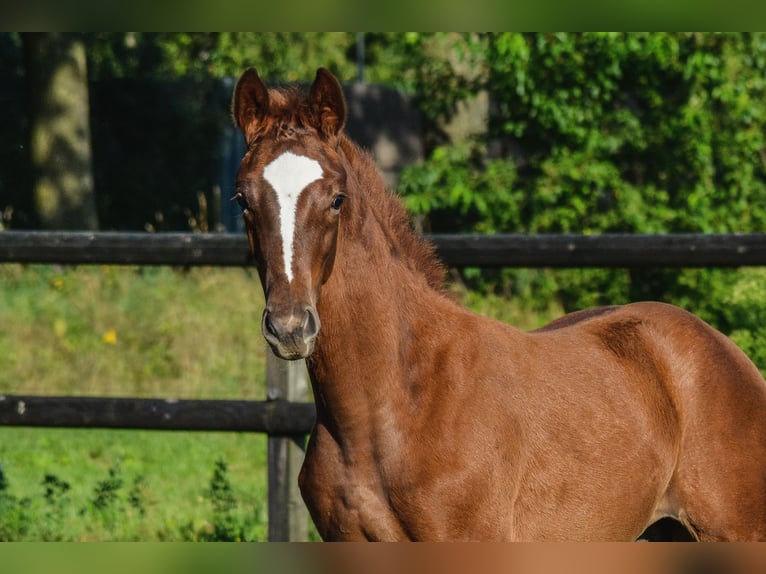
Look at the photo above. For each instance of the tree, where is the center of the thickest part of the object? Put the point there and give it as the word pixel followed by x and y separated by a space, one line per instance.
pixel 59 128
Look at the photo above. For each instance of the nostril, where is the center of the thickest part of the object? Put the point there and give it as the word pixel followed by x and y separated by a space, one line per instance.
pixel 310 323
pixel 268 326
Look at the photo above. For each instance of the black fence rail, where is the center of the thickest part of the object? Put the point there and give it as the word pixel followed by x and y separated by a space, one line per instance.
pixel 276 417
pixel 285 422
pixel 462 250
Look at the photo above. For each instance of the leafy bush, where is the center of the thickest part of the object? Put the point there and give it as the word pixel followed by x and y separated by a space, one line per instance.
pixel 617 132
pixel 459 189
pixel 610 132
pixel 743 308
pixel 634 132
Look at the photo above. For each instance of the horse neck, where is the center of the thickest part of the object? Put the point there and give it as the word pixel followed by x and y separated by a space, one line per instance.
pixel 375 301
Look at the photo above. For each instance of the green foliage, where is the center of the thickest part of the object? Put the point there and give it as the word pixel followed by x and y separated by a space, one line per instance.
pixel 460 189
pixel 229 521
pixel 635 132
pixel 221 492
pixel 56 498
pixel 737 302
pixel 605 132
pixel 278 56
pixel 113 509
pixel 15 518
pixel 114 512
pixel 107 503
pixel 14 512
pixel 613 132
pixel 226 525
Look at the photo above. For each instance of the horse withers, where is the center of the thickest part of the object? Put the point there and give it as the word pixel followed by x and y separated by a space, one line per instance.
pixel 434 423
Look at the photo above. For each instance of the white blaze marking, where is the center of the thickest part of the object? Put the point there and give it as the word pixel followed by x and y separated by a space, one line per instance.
pixel 289 175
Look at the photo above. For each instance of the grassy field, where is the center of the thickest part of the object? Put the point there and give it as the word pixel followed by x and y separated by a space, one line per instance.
pixel 144 332
pixel 140 332
pixel 150 332
pixel 131 485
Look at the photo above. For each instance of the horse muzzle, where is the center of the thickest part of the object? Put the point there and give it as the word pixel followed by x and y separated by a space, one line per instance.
pixel 292 334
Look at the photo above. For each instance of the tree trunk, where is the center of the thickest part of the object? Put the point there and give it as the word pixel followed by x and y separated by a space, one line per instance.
pixel 59 131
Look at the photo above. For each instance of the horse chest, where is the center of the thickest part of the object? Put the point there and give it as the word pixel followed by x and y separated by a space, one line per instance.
pixel 347 502
pixel 367 500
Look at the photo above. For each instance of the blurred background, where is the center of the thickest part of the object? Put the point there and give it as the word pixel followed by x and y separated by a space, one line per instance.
pixel 588 132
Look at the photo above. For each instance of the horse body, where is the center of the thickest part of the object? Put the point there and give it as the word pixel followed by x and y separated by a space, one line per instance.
pixel 434 423
pixel 469 438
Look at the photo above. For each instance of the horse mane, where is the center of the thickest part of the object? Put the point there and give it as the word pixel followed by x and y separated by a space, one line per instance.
pixel 291 115
pixel 418 253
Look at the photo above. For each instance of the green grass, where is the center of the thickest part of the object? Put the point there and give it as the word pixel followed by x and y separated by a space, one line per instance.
pixel 116 331
pixel 139 332
pixel 166 483
pixel 113 331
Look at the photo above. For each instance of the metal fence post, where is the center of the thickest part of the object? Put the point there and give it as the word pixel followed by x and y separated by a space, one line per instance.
pixel 288 516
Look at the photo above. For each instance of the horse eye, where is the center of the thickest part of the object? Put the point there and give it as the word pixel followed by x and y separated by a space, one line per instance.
pixel 337 202
pixel 241 201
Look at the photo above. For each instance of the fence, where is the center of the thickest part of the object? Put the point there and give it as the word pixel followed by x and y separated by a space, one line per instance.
pixel 283 417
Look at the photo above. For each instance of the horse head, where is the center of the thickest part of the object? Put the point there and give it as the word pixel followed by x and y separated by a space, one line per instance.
pixel 291 186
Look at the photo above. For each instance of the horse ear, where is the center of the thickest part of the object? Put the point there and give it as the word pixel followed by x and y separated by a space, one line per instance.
pixel 327 103
pixel 250 104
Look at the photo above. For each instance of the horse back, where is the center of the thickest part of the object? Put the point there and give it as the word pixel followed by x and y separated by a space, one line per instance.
pixel 688 355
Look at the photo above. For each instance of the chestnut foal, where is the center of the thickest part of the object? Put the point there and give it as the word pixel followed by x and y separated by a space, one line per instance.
pixel 434 423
